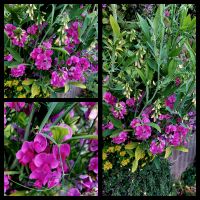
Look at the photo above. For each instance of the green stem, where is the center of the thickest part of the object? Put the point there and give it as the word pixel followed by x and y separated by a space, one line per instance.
pixel 29 123
pixel 52 107
pixel 53 24
pixel 65 113
pixel 61 163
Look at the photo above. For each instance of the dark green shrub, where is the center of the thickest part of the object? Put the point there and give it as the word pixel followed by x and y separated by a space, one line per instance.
pixel 153 180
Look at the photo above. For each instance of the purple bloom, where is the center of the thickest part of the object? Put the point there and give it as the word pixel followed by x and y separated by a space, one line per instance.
pixel 143 132
pixel 122 137
pixel 73 192
pixel 178 81
pixel 109 98
pixel 169 102
pixel 18 71
pixel 167 13
pixel 93 166
pixel 119 110
pixel 40 143
pixel 130 102
pixel 15 105
pixel 86 182
pixel 26 153
pixel 9 57
pixel 88 104
pixel 157 146
pixel 64 151
pixel 93 146
pixel 32 30
pixel 5 120
pixel 6 183
pixel 59 79
pixel 134 123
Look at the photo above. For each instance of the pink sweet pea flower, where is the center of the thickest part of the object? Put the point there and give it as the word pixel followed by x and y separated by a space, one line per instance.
pixel 6 183
pixel 109 98
pixel 64 151
pixel 122 137
pixel 93 166
pixel 15 105
pixel 40 143
pixel 26 153
pixel 9 57
pixel 73 192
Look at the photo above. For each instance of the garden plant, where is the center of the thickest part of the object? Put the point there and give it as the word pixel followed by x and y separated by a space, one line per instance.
pixel 50 49
pixel 149 97
pixel 50 149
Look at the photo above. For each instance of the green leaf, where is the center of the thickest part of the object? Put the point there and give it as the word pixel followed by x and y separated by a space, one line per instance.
pixel 181 148
pixel 66 87
pixel 154 125
pixel 28 82
pixel 49 137
pixel 11 64
pixel 35 90
pixel 131 145
pixel 11 172
pixel 134 165
pixel 19 193
pixel 77 84
pixel 107 132
pixel 157 163
pixel 172 67
pixel 62 50
pixel 141 74
pixel 144 26
pixel 115 26
pixel 117 123
pixel 15 54
pixel 139 153
pixel 168 151
pixel 8 130
pixel 59 133
pixel 115 133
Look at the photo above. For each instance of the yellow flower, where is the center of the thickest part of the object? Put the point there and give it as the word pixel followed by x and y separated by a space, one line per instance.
pixel 104 156
pixel 117 148
pixel 107 166
pixel 125 162
pixel 19 88
pixel 8 83
pixel 110 150
pixel 15 82
pixel 122 153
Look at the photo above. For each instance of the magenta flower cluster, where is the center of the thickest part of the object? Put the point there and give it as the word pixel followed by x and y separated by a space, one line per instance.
pixel 42 57
pixel 44 163
pixel 169 102
pixel 15 105
pixel 59 79
pixel 6 182
pixel 18 71
pixel 157 146
pixel 32 30
pixel 141 127
pixel 122 137
pixel 176 135
pixel 17 35
pixel 72 37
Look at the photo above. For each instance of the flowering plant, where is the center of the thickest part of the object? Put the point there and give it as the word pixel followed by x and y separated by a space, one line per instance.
pixel 50 48
pixel 149 104
pixel 50 154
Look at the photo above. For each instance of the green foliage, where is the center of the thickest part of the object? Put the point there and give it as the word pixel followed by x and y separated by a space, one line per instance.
pixel 148 181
